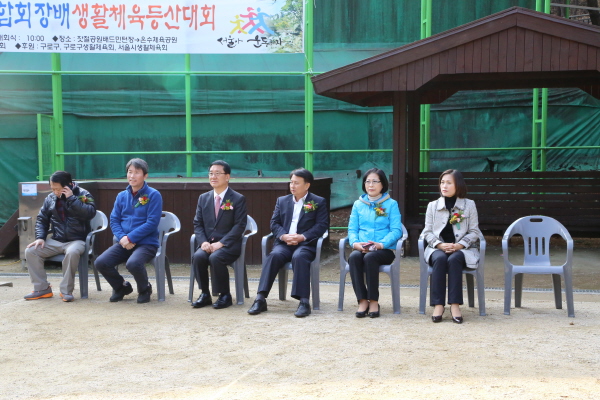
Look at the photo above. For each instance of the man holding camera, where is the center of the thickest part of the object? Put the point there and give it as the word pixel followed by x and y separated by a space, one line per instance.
pixel 66 213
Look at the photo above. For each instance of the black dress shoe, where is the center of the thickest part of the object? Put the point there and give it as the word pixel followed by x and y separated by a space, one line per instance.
pixel 144 297
pixel 456 320
pixel 257 307
pixel 375 314
pixel 223 301
pixel 362 314
pixel 203 301
pixel 438 318
pixel 123 291
pixel 303 310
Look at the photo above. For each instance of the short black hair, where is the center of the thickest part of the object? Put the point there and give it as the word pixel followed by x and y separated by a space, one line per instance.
pixel 137 163
pixel 304 174
pixel 61 177
pixel 382 178
pixel 222 163
pixel 459 182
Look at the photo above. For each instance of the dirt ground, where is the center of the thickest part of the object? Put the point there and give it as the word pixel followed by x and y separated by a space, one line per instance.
pixel 94 349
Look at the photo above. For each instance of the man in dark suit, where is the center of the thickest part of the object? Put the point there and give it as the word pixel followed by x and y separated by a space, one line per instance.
pixel 298 221
pixel 219 225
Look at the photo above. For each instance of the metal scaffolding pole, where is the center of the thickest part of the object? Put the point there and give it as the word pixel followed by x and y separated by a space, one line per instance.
pixel 308 88
pixel 425 139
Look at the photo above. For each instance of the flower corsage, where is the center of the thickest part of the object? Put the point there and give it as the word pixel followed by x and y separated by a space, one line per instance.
pixel 456 217
pixel 309 206
pixel 142 200
pixel 380 212
pixel 86 199
pixel 227 205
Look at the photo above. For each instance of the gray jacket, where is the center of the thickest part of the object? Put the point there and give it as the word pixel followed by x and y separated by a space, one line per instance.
pixel 468 235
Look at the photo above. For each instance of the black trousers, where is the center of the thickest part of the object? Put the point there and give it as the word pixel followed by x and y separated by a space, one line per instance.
pixel 135 261
pixel 367 265
pixel 446 264
pixel 219 260
pixel 300 257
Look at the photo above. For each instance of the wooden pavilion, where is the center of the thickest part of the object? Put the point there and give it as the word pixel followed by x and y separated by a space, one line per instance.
pixel 514 49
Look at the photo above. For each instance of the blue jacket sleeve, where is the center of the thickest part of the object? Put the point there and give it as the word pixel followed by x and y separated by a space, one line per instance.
pixel 149 227
pixel 395 233
pixel 115 218
pixel 353 226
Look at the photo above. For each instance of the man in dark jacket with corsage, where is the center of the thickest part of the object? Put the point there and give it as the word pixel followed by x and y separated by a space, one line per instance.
pixel 299 220
pixel 66 214
pixel 134 222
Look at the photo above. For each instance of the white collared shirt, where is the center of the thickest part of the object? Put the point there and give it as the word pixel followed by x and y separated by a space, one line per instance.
pixel 296 215
pixel 221 195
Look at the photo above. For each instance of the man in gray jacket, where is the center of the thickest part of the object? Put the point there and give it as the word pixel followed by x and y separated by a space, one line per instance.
pixel 66 213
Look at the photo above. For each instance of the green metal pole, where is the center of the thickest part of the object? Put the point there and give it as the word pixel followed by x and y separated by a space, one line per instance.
pixel 40 148
pixel 544 130
pixel 308 88
pixel 188 116
pixel 58 145
pixel 540 122
pixel 425 131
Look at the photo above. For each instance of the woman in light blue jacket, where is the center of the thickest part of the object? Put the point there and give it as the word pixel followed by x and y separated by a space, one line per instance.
pixel 373 231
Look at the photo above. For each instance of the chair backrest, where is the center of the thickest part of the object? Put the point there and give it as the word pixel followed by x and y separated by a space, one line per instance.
pixel 251 226
pixel 99 222
pixel 536 231
pixel 168 223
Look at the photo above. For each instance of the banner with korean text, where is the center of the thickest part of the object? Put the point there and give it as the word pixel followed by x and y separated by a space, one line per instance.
pixel 152 26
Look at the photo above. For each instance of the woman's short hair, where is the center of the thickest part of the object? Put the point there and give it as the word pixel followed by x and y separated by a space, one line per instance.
pixel 459 182
pixel 382 178
pixel 137 163
pixel 304 174
pixel 61 177
pixel 226 167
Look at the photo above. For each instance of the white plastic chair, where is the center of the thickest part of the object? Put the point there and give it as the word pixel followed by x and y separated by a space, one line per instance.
pixel 98 224
pixel 239 266
pixel 393 271
pixel 478 274
pixel 169 224
pixel 536 231
pixel 315 270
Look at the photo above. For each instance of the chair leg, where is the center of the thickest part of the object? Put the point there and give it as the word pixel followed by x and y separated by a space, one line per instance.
pixel 569 292
pixel 507 291
pixel 192 280
pixel 395 285
pixel 481 293
pixel 83 276
pixel 168 273
pixel 239 274
pixel 518 289
pixel 343 273
pixel 159 269
pixel 557 291
pixel 96 276
pixel 246 289
pixel 470 290
pixel 283 277
pixel 314 278
pixel 423 290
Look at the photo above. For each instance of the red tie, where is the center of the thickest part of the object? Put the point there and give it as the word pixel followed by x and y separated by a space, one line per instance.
pixel 217 205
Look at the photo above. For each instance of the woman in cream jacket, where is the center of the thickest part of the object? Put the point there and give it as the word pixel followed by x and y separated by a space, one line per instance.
pixel 452 236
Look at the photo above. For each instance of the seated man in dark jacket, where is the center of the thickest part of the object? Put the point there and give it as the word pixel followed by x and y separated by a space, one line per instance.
pixel 66 213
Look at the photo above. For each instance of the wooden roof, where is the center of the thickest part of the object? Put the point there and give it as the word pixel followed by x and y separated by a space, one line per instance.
pixel 514 49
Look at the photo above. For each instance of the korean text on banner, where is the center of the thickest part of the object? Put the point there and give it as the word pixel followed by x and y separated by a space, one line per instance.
pixel 153 26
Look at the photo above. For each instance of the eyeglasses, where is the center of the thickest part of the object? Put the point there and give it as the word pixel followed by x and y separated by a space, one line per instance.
pixel 372 182
pixel 217 174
